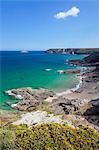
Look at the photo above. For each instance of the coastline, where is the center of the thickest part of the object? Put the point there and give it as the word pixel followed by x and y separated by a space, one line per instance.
pixel 71 90
pixel 68 91
pixel 74 102
pixel 79 85
pixel 35 75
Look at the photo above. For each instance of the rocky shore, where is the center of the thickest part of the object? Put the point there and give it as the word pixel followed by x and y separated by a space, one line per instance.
pixel 77 71
pixel 29 98
pixel 80 106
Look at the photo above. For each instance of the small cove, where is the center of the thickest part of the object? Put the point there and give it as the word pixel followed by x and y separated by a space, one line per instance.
pixel 28 70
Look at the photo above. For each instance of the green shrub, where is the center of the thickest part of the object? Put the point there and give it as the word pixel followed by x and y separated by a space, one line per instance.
pixel 48 137
pixel 56 137
pixel 7 139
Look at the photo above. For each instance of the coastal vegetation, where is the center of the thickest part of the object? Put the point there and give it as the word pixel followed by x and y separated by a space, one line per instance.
pixel 7 138
pixel 52 136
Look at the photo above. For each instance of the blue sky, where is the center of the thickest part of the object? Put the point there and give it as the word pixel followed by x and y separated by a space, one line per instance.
pixel 38 24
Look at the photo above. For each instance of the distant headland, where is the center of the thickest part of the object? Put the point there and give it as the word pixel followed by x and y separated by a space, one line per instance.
pixel 73 50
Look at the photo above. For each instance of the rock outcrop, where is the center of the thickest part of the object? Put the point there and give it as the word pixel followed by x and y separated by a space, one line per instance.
pixel 37 117
pixel 92 113
pixel 62 105
pixel 76 62
pixel 72 71
pixel 93 58
pixel 30 98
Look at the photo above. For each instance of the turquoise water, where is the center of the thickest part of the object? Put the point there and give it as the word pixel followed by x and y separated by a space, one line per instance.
pixel 28 70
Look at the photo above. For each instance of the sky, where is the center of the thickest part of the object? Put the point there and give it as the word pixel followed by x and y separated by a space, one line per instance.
pixel 44 24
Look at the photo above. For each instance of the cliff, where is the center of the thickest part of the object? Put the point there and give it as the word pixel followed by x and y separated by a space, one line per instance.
pixel 90 60
pixel 73 50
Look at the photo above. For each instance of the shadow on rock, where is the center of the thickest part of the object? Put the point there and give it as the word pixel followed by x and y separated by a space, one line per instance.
pixel 92 113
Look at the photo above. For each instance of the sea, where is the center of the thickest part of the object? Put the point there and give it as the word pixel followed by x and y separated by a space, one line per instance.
pixel 36 69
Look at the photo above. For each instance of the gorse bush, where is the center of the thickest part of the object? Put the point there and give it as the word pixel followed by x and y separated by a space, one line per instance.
pixel 56 137
pixel 7 139
pixel 49 137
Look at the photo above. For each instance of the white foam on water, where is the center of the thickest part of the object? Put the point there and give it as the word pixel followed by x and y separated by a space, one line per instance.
pixel 72 89
pixel 48 69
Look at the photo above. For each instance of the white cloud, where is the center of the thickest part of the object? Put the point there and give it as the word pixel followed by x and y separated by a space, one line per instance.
pixel 71 12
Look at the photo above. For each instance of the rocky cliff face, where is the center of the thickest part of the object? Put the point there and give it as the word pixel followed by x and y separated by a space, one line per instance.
pixel 91 60
pixel 73 50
